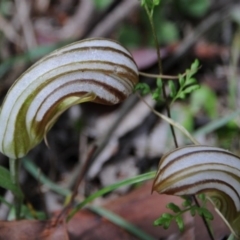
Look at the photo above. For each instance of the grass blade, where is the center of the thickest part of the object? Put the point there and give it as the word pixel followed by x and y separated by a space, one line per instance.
pixel 119 221
pixel 101 192
pixel 34 171
pixel 215 124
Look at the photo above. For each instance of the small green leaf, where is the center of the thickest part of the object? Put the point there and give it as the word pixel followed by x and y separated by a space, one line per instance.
pixel 160 221
pixel 207 214
pixel 187 202
pixel 180 223
pixel 181 80
pixel 191 89
pixel 195 65
pixel 174 207
pixel 172 87
pixel 164 220
pixel 190 81
pixel 202 197
pixel 167 216
pixel 146 91
pixel 182 95
pixel 156 95
pixel 143 87
pixel 166 224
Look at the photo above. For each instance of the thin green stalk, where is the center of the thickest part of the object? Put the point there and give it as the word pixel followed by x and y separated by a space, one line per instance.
pixel 160 69
pixel 101 192
pixel 14 172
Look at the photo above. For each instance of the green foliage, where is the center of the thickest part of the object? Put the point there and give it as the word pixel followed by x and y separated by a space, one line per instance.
pixel 174 207
pixel 143 88
pixel 157 93
pixel 166 219
pixel 187 201
pixel 187 83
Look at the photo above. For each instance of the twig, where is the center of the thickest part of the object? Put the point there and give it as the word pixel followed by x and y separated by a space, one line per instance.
pixel 157 76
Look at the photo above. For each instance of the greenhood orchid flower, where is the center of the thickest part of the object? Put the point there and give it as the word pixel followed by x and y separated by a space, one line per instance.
pixel 96 70
pixel 203 169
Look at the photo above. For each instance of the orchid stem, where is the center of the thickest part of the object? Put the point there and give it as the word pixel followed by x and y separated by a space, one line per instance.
pixel 149 13
pixel 14 172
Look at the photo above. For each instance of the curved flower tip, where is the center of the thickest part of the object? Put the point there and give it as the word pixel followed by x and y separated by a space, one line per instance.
pixel 203 169
pixel 96 70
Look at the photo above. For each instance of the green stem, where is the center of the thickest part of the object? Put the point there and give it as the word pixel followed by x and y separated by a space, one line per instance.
pixel 14 172
pixel 150 13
